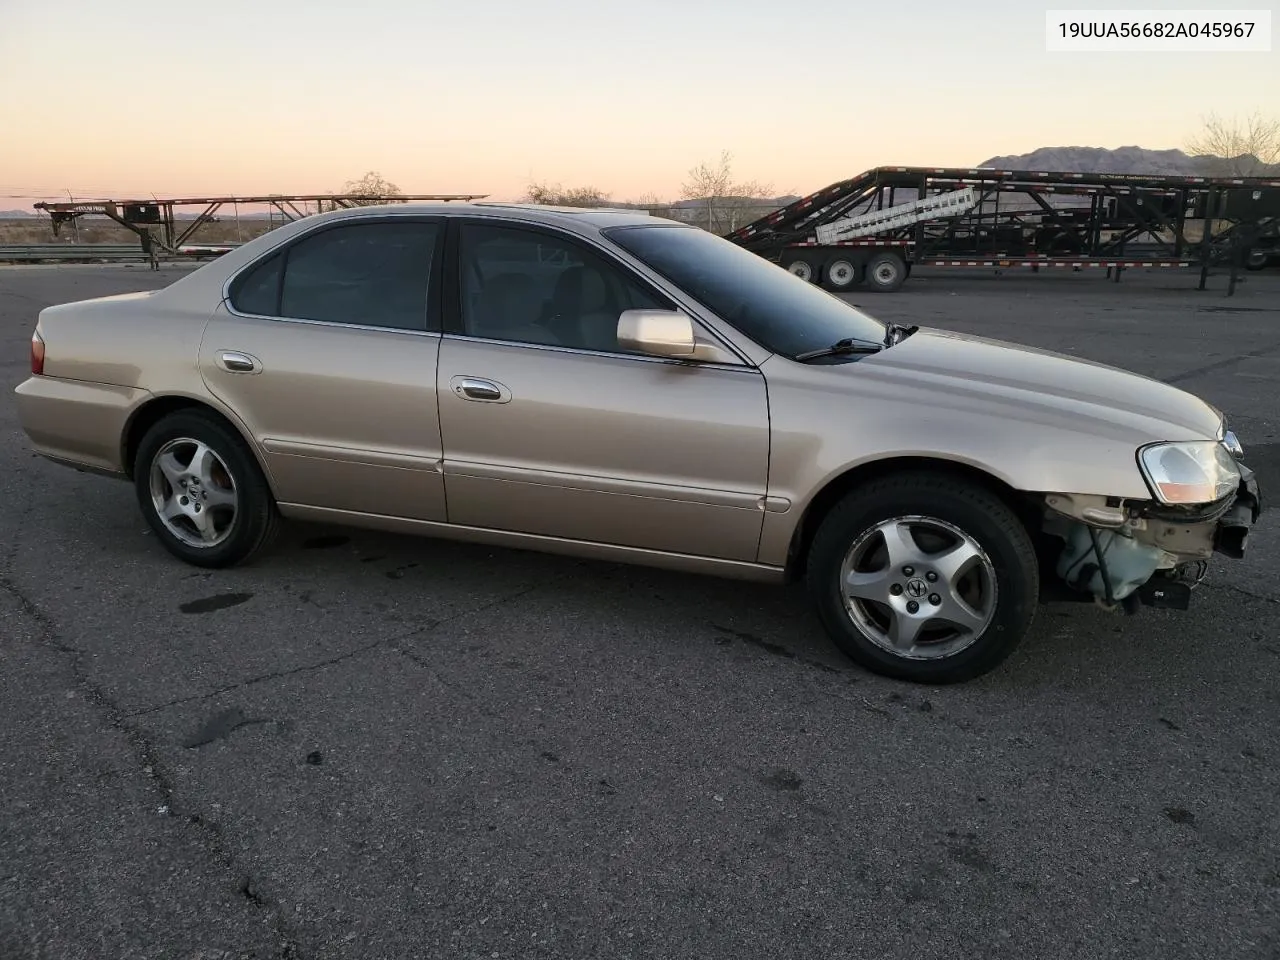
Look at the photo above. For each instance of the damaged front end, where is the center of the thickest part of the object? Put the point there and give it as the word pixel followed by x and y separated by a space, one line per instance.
pixel 1125 553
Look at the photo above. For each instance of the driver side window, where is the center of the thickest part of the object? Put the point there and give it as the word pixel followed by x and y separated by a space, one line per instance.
pixel 525 286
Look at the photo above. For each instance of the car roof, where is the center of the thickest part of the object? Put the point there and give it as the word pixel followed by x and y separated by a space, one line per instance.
pixel 597 217
pixel 579 220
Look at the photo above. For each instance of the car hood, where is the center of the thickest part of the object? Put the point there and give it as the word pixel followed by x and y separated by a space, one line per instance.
pixel 1039 386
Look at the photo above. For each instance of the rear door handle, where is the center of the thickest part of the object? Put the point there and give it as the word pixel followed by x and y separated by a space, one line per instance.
pixel 233 361
pixel 477 388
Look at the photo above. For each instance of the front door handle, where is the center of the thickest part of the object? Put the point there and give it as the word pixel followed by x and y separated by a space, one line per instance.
pixel 477 388
pixel 233 361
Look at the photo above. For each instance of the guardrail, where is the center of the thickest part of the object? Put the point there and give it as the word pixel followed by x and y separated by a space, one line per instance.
pixel 71 252
pixel 102 252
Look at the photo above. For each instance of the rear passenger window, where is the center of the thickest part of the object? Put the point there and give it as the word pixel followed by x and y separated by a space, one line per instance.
pixel 258 290
pixel 370 274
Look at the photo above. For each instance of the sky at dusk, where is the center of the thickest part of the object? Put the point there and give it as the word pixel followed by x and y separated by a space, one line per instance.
pixel 483 96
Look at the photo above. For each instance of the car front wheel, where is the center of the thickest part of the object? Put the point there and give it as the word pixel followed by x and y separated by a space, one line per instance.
pixel 924 577
pixel 201 491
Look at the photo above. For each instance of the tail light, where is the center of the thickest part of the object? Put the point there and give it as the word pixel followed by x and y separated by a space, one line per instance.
pixel 37 354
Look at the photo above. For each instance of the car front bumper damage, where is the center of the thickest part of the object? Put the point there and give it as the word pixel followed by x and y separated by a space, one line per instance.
pixel 1232 533
pixel 1127 554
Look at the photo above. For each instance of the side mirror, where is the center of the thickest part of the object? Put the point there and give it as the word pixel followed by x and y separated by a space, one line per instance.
pixel 666 333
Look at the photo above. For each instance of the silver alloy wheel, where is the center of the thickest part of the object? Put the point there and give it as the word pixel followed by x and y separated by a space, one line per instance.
pixel 841 273
pixel 885 272
pixel 193 492
pixel 918 600
pixel 802 269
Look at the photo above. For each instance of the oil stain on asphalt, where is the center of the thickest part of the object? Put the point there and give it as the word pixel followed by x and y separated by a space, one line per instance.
pixel 220 726
pixel 219 601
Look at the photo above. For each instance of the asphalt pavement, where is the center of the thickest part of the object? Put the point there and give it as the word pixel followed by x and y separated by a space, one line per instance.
pixel 373 746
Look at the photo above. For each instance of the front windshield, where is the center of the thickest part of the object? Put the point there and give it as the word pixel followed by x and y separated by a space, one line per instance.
pixel 772 306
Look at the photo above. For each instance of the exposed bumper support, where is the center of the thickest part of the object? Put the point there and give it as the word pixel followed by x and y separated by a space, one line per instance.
pixel 1232 533
pixel 1126 557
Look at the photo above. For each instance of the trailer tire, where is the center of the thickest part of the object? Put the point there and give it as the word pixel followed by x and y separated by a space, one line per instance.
pixel 840 274
pixel 886 272
pixel 804 270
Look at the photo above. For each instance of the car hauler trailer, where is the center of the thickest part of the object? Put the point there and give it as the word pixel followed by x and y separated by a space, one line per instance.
pixel 873 228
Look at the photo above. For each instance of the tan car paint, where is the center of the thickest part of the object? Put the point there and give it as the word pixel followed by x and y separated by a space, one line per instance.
pixel 949 397
pixel 346 417
pixel 633 451
pixel 619 457
pixel 96 412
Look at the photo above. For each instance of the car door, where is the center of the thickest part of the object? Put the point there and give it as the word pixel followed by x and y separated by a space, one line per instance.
pixel 549 428
pixel 327 350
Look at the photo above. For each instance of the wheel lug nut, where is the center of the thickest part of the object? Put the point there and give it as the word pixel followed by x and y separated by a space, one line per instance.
pixel 935 599
pixel 931 576
pixel 896 589
pixel 183 500
pixel 912 607
pixel 908 571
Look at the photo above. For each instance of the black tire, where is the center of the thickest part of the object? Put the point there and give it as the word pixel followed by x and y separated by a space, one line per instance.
pixel 255 519
pixel 886 272
pixel 840 274
pixel 1256 259
pixel 1007 559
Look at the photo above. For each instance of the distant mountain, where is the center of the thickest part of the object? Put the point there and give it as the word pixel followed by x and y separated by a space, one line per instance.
pixel 1134 160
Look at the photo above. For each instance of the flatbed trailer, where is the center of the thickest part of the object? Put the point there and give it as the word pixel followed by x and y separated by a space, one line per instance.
pixel 871 229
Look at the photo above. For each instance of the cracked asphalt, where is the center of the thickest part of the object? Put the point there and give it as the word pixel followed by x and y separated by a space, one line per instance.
pixel 367 746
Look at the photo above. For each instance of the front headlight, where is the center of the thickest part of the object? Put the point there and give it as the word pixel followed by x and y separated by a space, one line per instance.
pixel 1192 472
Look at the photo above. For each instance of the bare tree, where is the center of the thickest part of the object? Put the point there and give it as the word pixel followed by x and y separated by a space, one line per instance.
pixel 648 200
pixel 727 201
pixel 652 204
pixel 555 195
pixel 375 187
pixel 1234 148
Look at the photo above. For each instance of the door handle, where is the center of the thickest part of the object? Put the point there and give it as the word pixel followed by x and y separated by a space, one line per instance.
pixel 477 388
pixel 233 361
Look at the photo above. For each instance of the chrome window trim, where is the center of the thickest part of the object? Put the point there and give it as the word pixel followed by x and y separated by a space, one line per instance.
pixel 337 324
pixel 640 357
pixel 708 321
pixel 302 234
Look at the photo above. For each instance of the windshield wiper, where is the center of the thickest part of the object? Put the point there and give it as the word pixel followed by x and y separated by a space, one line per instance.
pixel 847 345
pixel 896 333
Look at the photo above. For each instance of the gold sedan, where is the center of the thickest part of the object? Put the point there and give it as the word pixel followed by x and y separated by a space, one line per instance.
pixel 607 384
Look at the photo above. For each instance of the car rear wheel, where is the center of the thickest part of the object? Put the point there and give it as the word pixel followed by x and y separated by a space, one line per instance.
pixel 202 492
pixel 924 577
